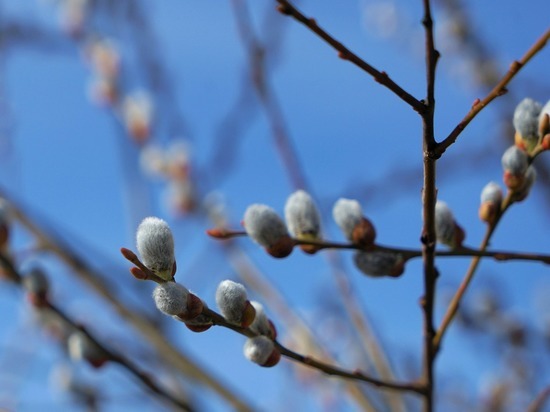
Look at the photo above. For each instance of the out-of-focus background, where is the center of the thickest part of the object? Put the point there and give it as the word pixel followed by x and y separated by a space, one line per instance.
pixel 111 111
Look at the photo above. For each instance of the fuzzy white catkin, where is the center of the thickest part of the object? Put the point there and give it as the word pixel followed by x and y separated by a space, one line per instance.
pixel 302 216
pixel 444 223
pixel 515 161
pixel 155 244
pixel 171 298
pixel 260 325
pixel 231 299
pixel 526 118
pixel 263 225
pixel 377 263
pixel 347 214
pixel 258 349
pixel 492 192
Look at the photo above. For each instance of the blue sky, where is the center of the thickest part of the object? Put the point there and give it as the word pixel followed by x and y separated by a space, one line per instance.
pixel 69 162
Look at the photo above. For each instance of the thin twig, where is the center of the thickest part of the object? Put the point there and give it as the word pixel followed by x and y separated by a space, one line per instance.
pixel 344 53
pixel 17 278
pixel 497 91
pixel 462 251
pixel 414 387
pixel 356 375
pixel 457 298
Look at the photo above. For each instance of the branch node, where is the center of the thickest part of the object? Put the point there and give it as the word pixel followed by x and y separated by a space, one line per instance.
pixel 284 9
pixel 502 91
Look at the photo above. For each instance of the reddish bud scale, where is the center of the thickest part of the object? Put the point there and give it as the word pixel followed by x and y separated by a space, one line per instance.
pixel 398 269
pixel 198 328
pixel 218 233
pixel 544 124
pixel 488 211
pixel 128 254
pixel 138 273
pixel 310 249
pixel 364 233
pixel 249 313
pixel 194 308
pixel 460 235
pixel 273 359
pixel 282 248
pixel 513 182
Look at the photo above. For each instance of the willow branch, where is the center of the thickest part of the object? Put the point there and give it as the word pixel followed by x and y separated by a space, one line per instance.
pixel 497 91
pixel 355 375
pixel 171 355
pixel 253 278
pixel 429 197
pixel 285 7
pixel 414 387
pixel 459 294
pixel 142 377
pixel 462 251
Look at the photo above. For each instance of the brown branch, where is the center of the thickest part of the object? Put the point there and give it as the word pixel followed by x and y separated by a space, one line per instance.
pixel 463 251
pixel 429 197
pixel 414 387
pixel 497 91
pixel 285 7
pixel 16 277
pixel 497 255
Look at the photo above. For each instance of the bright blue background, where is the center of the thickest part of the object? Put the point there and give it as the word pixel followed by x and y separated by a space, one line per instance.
pixel 68 161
